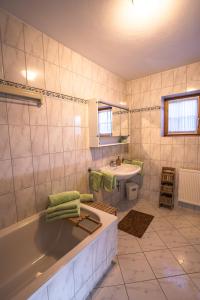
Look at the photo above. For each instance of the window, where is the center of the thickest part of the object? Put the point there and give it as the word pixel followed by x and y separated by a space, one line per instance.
pixel 181 115
pixel 105 121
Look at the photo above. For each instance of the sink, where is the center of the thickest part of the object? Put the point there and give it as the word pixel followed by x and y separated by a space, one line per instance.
pixel 122 172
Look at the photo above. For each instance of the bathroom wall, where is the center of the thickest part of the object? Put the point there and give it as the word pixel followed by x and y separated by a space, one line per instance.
pixel 146 141
pixel 45 150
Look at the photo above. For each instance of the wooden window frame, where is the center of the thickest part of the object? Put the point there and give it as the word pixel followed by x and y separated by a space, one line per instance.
pixel 178 97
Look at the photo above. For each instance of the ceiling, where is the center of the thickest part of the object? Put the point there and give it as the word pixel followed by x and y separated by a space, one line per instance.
pixel 131 38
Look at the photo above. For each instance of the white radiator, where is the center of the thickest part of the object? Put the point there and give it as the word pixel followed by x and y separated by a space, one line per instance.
pixel 189 186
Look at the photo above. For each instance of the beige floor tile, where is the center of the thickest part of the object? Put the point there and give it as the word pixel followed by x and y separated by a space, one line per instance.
pixel 178 221
pixel 179 287
pixel 188 257
pixel 151 241
pixel 135 267
pixel 161 224
pixel 110 293
pixel 192 234
pixel 163 263
pixel 127 243
pixel 196 279
pixel 172 238
pixel 197 247
pixel 112 277
pixel 146 290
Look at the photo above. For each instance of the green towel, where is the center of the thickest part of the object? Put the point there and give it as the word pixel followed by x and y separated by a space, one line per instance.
pixel 109 182
pixel 86 197
pixel 61 212
pixel 64 216
pixel 95 180
pixel 64 206
pixel 60 198
pixel 136 163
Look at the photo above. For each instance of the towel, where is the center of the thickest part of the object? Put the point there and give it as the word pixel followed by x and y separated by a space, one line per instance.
pixel 136 163
pixel 64 206
pixel 86 198
pixel 60 198
pixel 109 182
pixel 64 216
pixel 95 180
pixel 61 212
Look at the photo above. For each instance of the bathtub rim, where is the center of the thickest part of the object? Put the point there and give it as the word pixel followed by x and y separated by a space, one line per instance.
pixel 43 280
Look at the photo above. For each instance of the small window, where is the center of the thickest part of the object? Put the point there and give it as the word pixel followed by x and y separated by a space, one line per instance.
pixel 181 116
pixel 105 121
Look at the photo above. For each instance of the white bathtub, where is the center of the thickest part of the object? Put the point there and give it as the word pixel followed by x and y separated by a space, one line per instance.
pixel 56 261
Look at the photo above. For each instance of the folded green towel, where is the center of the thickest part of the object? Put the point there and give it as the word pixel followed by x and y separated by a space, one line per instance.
pixel 63 216
pixel 86 198
pixel 60 198
pixel 61 212
pixel 109 181
pixel 64 206
pixel 95 180
pixel 135 162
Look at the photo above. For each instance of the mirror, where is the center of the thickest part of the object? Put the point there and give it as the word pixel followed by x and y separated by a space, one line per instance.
pixel 113 121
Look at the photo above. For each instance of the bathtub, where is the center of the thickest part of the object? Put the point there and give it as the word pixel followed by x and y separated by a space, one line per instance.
pixel 55 261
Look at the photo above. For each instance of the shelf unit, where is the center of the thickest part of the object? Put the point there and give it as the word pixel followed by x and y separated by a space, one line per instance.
pixel 167 187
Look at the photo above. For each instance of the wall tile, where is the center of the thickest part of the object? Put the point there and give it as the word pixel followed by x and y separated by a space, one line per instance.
pixel 25 201
pixel 167 78
pixel 68 138
pixel 166 152
pixel 180 75
pixel 70 182
pixel 67 113
pixel 70 162
pixel 42 192
pixel 55 139
pixel 193 72
pixel 50 49
pixel 54 111
pixel 1 63
pixel 155 81
pixel 23 173
pixel 8 213
pixel 58 186
pixel 66 81
pixel 33 41
pixel 177 153
pixel 57 165
pixel 190 154
pixel 65 57
pixel 22 134
pixel 11 31
pixel 4 142
pixel 38 115
pixel 35 71
pixel 3 113
pixel 52 77
pixel 6 177
pixel 18 114
pixel 39 140
pixel 14 64
pixel 41 165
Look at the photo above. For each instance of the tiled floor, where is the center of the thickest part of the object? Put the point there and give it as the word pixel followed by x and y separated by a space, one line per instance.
pixel 163 264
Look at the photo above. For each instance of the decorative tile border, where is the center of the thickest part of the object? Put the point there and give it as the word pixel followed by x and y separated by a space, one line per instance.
pixel 43 91
pixel 156 107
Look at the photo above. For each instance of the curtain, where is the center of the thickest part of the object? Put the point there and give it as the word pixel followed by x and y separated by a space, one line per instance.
pixel 183 115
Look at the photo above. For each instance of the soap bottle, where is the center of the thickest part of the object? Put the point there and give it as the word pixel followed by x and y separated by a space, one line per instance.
pixel 118 161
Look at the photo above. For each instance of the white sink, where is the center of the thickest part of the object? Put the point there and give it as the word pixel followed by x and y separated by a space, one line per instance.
pixel 122 172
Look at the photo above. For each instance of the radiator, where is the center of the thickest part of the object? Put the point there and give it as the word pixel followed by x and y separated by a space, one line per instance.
pixel 189 186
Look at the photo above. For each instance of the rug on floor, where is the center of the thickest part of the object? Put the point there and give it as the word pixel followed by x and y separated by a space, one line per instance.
pixel 135 223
